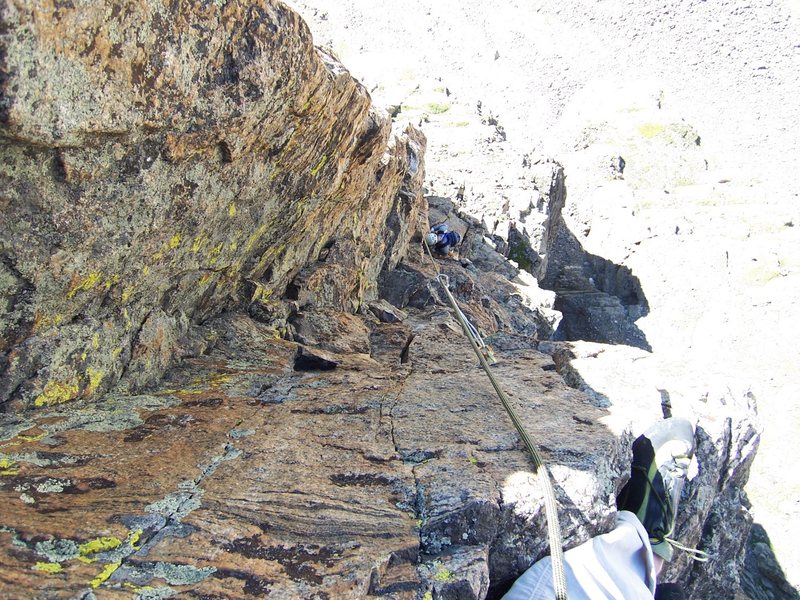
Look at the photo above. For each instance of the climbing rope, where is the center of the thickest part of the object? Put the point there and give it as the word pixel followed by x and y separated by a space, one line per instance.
pixel 550 506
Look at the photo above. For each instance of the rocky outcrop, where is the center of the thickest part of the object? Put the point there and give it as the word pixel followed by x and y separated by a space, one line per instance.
pixel 163 162
pixel 214 242
pixel 365 459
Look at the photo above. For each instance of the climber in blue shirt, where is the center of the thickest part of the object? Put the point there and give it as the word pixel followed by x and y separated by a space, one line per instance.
pixel 441 240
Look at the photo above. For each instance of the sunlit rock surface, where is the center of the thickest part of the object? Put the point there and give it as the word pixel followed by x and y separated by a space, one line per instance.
pixel 204 228
pixel 162 162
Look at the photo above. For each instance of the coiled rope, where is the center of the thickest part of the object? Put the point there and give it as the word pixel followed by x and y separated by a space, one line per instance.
pixel 541 472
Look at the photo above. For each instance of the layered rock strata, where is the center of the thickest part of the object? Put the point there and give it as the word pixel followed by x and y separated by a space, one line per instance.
pixel 371 460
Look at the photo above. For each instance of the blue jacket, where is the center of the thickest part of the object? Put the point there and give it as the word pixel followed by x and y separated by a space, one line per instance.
pixel 447 240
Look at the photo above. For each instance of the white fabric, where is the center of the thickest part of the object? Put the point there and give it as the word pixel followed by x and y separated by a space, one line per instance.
pixel 617 565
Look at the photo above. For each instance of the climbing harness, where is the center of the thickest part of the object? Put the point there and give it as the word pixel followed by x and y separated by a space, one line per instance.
pixel 550 505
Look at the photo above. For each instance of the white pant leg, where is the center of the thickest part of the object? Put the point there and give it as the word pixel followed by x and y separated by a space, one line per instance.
pixel 617 565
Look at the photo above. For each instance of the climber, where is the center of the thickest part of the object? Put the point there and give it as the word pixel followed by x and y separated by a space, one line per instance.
pixel 441 240
pixel 625 562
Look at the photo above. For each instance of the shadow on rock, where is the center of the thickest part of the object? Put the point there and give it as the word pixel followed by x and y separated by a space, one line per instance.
pixel 600 300
pixel 762 577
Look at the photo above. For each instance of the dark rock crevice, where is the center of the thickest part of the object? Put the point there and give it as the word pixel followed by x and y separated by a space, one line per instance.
pixel 600 301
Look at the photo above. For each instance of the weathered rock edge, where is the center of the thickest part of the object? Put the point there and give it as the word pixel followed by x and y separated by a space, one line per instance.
pixel 164 161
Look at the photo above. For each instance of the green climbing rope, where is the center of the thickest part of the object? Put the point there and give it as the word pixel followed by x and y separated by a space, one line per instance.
pixel 542 474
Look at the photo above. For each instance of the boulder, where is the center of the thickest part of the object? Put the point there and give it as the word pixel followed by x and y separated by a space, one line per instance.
pixel 386 313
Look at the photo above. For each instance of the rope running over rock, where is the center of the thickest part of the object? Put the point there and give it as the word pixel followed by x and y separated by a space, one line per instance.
pixel 542 474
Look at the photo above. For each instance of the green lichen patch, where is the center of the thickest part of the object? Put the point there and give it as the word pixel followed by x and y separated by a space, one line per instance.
pixel 48 567
pixel 53 486
pixel 16 541
pixel 143 573
pixel 57 551
pixel 650 130
pixel 154 593
pixel 114 414
pixel 103 576
pixel 43 459
pixel 320 165
pixel 241 433
pixel 437 108
pixel 177 505
pixel 442 574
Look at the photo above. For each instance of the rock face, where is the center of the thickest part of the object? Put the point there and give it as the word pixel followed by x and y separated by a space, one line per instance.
pixel 163 162
pixel 213 245
pixel 373 462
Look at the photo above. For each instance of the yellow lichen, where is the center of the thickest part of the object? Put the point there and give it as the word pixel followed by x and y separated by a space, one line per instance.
pixel 146 270
pixel 438 108
pixel 269 255
pixel 104 574
pixel 252 241
pixel 5 467
pixel 48 567
pixel 18 441
pixel 214 253
pixel 86 284
pixel 198 243
pixel 41 321
pixel 96 341
pixel 172 244
pixel 56 392
pixel 320 164
pixel 102 544
pixel 231 210
pixel 442 573
pixel 261 294
pixel 95 377
pixel 111 281
pixel 126 293
pixel 212 380
pixel 133 538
